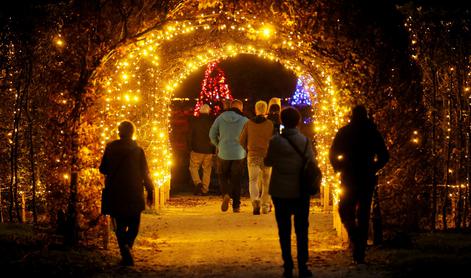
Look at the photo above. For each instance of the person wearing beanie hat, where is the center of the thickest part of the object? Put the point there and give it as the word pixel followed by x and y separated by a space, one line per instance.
pixel 201 150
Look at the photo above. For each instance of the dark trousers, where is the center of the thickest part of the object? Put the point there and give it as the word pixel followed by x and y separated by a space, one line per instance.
pixel 230 172
pixel 127 228
pixel 354 211
pixel 284 208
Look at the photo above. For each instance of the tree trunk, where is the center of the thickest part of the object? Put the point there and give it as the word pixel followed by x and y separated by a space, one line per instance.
pixel 377 219
pixel 434 158
pixel 31 144
pixel 460 169
pixel 71 226
pixel 447 170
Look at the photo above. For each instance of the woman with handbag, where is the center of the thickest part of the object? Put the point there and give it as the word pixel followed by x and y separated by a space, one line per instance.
pixel 289 197
pixel 126 173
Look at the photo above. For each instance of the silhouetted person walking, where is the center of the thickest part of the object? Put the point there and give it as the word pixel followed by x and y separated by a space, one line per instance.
pixel 285 190
pixel 126 173
pixel 201 150
pixel 358 152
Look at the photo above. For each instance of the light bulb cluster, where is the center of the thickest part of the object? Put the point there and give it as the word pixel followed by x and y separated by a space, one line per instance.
pixel 214 90
pixel 303 93
pixel 135 86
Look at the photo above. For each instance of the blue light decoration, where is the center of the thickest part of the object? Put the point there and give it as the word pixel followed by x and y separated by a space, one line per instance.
pixel 301 98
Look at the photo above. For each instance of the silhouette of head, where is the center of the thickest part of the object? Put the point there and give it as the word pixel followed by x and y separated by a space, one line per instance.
pixel 290 117
pixel 359 113
pixel 237 104
pixel 274 105
pixel 204 109
pixel 126 129
pixel 260 108
pixel 226 104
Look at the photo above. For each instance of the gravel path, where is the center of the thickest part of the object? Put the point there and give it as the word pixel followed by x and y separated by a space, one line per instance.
pixel 191 237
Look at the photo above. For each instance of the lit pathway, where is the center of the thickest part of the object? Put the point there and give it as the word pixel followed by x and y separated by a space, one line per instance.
pixel 193 238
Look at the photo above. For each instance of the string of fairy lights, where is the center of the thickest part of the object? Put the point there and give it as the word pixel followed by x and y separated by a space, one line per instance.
pixel 136 87
pixel 414 36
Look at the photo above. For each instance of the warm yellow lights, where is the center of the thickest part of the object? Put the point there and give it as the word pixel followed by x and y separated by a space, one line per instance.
pixel 267 31
pixel 59 41
pixel 340 157
pixel 139 88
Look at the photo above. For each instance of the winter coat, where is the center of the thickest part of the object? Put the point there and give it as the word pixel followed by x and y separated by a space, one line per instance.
pixel 286 163
pixel 225 133
pixel 358 151
pixel 255 136
pixel 198 139
pixel 126 174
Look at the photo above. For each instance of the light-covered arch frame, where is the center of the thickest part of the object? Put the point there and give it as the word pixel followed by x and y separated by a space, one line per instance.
pixel 137 80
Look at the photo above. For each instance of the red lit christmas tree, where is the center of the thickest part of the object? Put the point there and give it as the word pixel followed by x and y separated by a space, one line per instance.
pixel 214 89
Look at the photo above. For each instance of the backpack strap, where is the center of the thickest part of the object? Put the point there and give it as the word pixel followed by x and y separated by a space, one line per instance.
pixel 302 154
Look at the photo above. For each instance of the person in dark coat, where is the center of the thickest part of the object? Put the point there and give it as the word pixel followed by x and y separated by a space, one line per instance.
pixel 358 152
pixel 285 190
pixel 126 173
pixel 201 150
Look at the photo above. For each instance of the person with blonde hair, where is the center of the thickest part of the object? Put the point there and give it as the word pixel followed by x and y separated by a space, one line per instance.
pixel 201 150
pixel 254 138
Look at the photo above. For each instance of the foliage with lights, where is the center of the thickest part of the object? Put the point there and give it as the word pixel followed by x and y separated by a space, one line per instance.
pixel 70 73
pixel 214 89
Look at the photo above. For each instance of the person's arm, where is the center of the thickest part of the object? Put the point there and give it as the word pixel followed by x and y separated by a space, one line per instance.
pixel 104 165
pixel 148 184
pixel 214 133
pixel 382 153
pixel 335 156
pixel 244 136
pixel 268 160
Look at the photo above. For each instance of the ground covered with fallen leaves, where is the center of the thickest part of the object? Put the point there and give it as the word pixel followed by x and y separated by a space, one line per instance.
pixel 191 237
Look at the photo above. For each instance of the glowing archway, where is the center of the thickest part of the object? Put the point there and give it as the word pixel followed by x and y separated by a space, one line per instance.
pixel 137 80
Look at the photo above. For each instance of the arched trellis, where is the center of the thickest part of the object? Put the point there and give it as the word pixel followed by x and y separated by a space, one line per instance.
pixel 136 81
